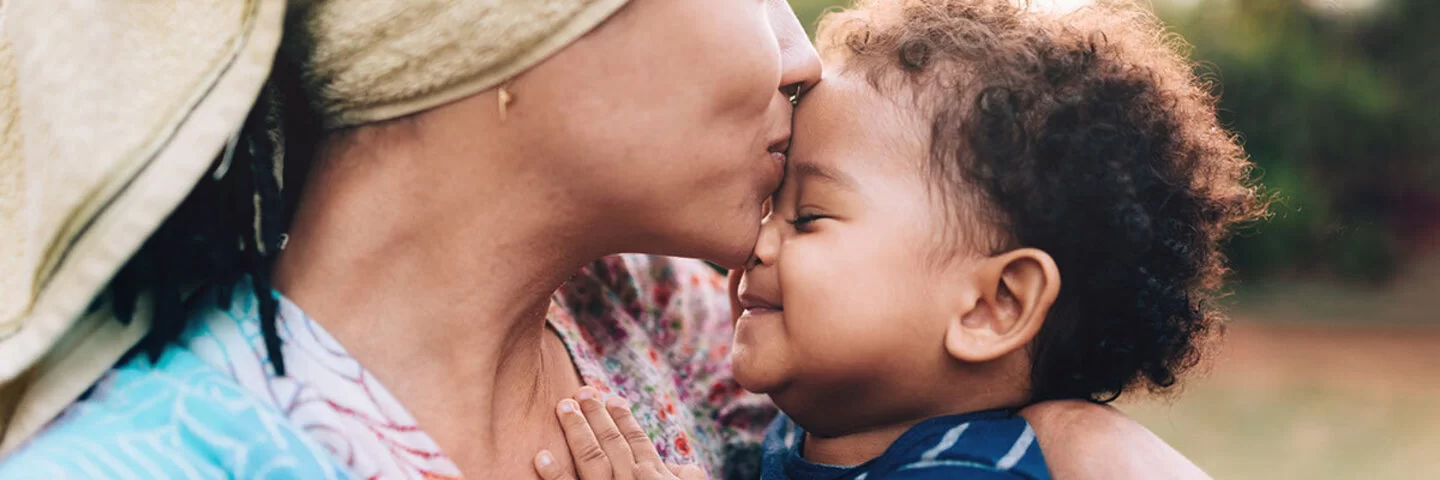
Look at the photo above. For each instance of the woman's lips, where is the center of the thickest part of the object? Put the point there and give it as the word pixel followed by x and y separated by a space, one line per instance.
pixel 777 149
pixel 778 157
pixel 777 172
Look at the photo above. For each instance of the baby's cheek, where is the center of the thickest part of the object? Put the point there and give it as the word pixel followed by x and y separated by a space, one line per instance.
pixel 807 290
pixel 828 316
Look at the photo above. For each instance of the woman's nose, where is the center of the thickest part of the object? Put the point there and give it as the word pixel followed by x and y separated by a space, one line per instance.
pixel 800 64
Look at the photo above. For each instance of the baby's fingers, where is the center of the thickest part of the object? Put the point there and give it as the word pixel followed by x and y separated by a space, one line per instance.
pixel 603 426
pixel 590 460
pixel 549 469
pixel 640 445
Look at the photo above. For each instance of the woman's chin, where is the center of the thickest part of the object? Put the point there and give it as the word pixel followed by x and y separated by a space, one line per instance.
pixel 725 243
pixel 731 258
pixel 737 248
pixel 728 238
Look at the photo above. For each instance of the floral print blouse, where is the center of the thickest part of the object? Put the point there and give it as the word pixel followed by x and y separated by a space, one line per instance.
pixel 657 331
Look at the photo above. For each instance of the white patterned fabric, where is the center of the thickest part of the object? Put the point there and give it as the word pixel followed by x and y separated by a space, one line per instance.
pixel 326 393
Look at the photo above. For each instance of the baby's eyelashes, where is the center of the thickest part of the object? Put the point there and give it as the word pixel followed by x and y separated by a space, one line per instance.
pixel 802 223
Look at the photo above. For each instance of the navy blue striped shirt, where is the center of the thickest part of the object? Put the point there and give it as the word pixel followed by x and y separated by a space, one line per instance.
pixel 994 444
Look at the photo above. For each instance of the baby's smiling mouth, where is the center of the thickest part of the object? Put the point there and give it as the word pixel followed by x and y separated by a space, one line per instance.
pixel 751 303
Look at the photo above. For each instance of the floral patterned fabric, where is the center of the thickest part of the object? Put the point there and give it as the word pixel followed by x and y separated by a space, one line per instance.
pixel 657 331
pixel 654 330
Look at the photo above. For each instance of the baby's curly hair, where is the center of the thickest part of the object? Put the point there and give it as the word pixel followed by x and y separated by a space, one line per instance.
pixel 1087 135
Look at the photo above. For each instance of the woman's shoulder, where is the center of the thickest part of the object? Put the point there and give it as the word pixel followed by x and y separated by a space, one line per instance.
pixel 176 417
pixel 1083 439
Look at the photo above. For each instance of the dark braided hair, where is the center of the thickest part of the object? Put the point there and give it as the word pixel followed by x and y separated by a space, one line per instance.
pixel 1084 135
pixel 230 227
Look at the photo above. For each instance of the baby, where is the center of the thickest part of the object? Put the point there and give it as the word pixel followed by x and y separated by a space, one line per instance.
pixel 985 207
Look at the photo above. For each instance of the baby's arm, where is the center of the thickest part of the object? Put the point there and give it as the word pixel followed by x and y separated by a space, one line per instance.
pixel 1084 440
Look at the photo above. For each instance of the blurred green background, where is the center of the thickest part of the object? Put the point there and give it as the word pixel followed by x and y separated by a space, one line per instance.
pixel 1331 365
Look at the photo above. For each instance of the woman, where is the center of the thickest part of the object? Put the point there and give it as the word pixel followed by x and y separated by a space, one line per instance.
pixel 472 158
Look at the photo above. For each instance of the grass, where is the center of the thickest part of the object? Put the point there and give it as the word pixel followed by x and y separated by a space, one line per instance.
pixel 1300 432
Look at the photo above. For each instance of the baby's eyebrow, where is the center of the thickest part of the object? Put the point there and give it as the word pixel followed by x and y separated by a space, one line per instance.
pixel 826 173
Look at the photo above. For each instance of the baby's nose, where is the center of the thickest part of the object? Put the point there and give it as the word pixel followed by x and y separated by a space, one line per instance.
pixel 767 245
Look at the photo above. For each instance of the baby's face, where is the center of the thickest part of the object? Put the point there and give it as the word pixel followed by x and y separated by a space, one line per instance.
pixel 842 321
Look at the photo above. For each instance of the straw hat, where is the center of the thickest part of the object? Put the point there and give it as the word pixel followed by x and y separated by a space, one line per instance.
pixel 112 111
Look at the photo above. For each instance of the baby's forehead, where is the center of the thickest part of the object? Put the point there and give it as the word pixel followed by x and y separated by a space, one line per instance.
pixel 876 135
pixel 848 124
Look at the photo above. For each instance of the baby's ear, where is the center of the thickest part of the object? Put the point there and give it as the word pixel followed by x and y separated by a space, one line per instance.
pixel 1016 290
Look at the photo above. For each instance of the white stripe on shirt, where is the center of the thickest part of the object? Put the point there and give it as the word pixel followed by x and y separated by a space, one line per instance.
pixel 1017 451
pixel 946 442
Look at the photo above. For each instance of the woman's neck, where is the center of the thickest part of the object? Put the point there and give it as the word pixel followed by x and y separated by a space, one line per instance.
pixel 437 279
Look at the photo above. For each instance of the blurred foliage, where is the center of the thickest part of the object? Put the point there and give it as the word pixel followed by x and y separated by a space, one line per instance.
pixel 1340 110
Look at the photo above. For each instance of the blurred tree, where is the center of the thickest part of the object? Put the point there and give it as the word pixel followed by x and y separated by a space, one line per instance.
pixel 1329 107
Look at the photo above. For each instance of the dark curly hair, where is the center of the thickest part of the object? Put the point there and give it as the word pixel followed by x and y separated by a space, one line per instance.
pixel 1087 135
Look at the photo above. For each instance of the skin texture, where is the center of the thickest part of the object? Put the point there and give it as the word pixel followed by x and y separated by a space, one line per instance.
pixel 650 134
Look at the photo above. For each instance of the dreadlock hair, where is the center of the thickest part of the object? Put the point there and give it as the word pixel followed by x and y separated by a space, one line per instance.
pixel 230 226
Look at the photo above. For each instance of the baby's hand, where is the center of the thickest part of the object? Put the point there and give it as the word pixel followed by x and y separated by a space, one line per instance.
pixel 608 444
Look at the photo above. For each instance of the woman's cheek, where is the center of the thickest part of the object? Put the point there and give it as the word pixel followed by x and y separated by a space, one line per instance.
pixel 751 74
pixel 748 97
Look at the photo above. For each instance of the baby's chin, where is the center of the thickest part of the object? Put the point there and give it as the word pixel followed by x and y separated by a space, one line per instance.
pixel 754 372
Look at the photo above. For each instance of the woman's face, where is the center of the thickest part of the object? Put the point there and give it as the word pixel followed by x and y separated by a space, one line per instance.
pixel 669 117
